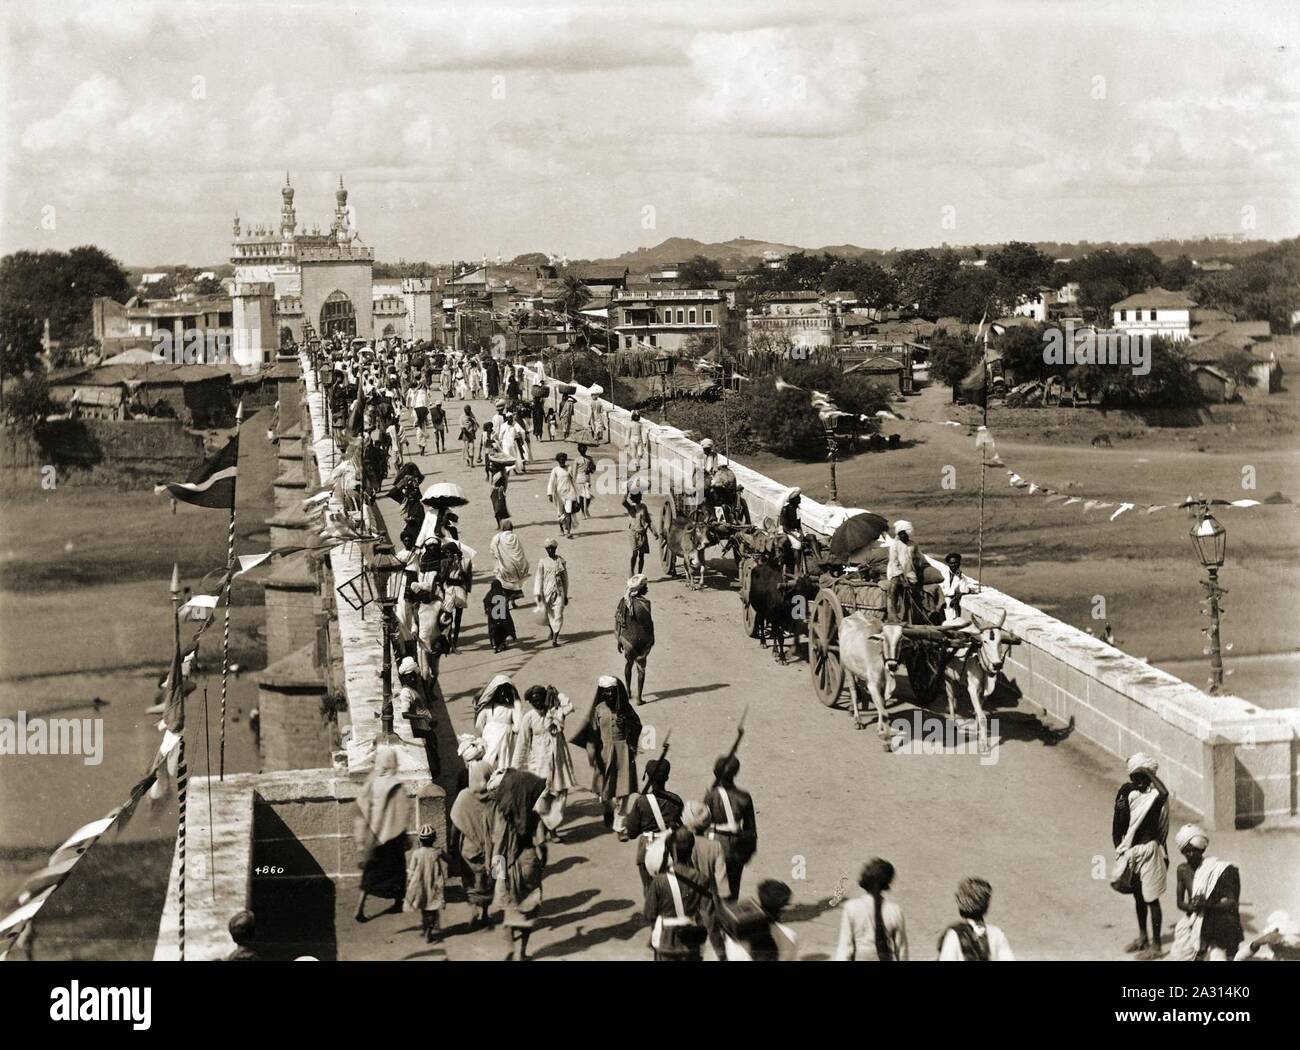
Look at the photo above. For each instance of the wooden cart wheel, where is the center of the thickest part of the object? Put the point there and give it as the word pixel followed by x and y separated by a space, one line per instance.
pixel 824 648
pixel 751 619
pixel 666 556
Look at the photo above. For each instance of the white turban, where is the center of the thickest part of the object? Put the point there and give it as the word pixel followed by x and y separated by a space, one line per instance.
pixel 1142 761
pixel 1191 835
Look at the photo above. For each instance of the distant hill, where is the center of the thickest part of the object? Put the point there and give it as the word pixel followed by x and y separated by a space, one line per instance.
pixel 742 250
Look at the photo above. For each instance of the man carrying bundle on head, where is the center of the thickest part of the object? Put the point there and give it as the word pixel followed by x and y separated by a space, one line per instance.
pixel 1139 829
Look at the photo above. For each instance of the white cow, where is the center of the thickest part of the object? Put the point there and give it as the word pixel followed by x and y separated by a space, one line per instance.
pixel 869 652
pixel 977 650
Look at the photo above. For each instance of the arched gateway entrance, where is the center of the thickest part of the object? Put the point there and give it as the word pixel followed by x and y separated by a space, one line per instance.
pixel 337 316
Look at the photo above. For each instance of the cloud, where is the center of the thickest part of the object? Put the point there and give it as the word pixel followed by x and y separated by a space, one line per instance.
pixel 778 82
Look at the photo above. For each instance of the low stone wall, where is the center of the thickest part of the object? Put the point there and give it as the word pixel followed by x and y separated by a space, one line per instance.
pixel 1232 762
pixel 283 847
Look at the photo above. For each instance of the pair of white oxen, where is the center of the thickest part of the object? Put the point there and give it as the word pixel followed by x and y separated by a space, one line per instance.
pixel 975 650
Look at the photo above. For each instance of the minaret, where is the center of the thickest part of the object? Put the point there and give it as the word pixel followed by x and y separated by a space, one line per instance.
pixel 341 222
pixel 236 225
pixel 288 220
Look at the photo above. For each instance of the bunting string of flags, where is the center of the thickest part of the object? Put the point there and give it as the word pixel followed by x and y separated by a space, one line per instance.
pixel 1117 506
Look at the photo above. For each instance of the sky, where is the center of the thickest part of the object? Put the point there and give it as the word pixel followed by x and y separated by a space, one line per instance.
pixel 588 129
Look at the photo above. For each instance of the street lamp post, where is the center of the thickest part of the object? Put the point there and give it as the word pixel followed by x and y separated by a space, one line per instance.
pixel 384 566
pixel 663 368
pixel 832 450
pixel 1210 540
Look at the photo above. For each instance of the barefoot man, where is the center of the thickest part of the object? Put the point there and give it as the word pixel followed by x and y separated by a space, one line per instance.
pixel 635 630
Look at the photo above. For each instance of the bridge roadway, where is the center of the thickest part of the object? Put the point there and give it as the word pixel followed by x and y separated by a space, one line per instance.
pixel 1035 823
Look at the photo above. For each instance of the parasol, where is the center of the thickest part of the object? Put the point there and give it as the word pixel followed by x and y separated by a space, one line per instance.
pixel 444 494
pixel 855 533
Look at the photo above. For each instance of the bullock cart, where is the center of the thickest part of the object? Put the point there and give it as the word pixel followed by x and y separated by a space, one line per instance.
pixel 923 648
pixel 688 522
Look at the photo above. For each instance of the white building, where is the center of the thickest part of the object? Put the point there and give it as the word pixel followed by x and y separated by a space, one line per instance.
pixel 1156 311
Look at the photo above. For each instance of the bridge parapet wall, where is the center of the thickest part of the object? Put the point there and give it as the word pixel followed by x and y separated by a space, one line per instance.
pixel 1234 763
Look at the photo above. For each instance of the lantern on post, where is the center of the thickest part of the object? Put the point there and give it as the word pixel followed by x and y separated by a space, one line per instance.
pixel 1210 540
pixel 664 368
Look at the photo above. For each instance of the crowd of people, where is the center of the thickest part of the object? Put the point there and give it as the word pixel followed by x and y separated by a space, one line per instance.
pixel 513 793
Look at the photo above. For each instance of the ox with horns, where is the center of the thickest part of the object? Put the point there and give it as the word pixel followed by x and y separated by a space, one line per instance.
pixel 975 651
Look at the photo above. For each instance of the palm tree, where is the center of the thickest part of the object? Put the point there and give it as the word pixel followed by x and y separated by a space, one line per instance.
pixel 575 293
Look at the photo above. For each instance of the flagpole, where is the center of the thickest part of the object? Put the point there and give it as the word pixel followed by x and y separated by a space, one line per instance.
pixel 207 754
pixel 230 579
pixel 182 774
pixel 979 550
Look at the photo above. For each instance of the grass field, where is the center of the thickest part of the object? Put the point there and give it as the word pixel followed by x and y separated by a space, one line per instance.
pixel 1063 560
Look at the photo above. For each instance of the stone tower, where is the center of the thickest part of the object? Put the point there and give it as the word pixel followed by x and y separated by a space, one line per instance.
pixel 342 221
pixel 288 220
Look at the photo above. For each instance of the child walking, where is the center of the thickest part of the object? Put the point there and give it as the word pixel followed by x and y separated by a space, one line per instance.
pixel 426 882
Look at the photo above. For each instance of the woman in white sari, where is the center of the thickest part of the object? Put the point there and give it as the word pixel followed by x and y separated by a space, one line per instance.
pixel 497 714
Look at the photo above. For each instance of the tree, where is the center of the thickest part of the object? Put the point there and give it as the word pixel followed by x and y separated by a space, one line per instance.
pixel 1096 297
pixel 1022 353
pixel 1238 365
pixel 1178 273
pixel 1020 269
pixel 951 359
pixel 60 286
pixel 973 295
pixel 27 403
pixel 209 286
pixel 164 288
pixel 698 271
pixel 924 278
pixel 869 281
pixel 574 294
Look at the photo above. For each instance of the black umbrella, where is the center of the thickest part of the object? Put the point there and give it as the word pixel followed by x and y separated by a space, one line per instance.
pixel 857 532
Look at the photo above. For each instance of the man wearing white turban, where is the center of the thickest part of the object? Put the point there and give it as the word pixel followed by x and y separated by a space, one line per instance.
pixel 1139 829
pixel 1207 893
pixel 903 575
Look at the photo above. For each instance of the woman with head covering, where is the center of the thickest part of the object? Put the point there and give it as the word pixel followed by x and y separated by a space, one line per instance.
pixel 972 939
pixel 518 854
pixel 873 929
pixel 509 562
pixel 634 630
pixel 542 749
pixel 1208 894
pixel 383 816
pixel 609 733
pixel 1139 829
pixel 496 717
pixel 473 816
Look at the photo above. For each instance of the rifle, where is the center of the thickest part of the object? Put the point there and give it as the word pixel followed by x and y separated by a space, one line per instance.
pixel 663 753
pixel 740 732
